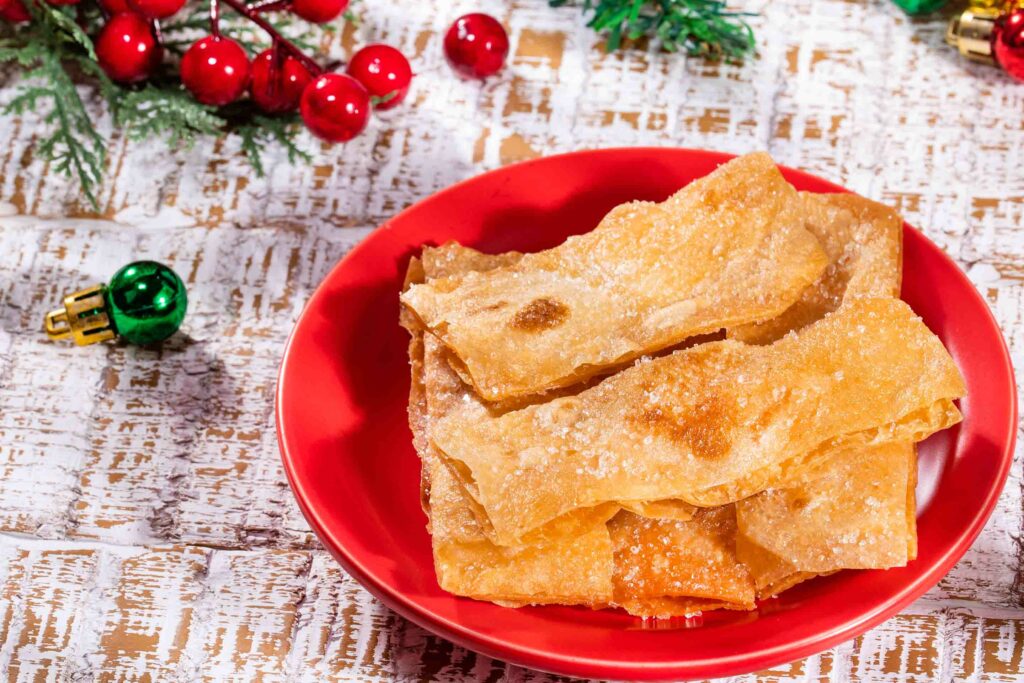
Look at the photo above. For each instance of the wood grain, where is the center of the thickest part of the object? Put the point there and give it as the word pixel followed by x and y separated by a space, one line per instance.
pixel 146 529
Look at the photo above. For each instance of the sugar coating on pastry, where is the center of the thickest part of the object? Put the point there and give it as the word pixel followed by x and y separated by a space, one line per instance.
pixel 852 515
pixel 568 561
pixel 864 244
pixel 656 559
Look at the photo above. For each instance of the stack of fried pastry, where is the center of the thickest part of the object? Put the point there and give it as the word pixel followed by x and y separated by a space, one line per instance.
pixel 699 403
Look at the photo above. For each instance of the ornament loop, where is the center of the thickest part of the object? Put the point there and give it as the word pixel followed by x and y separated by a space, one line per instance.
pixel 56 324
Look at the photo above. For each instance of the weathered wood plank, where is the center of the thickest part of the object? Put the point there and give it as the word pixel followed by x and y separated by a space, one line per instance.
pixel 48 591
pixel 149 619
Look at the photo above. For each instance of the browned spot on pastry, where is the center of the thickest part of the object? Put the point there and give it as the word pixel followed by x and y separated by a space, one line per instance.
pixel 704 428
pixel 798 502
pixel 496 306
pixel 539 314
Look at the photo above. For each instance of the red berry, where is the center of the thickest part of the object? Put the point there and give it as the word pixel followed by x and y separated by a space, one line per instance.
pixel 277 81
pixel 319 11
pixel 1008 43
pixel 215 70
pixel 156 9
pixel 14 11
pixel 476 45
pixel 384 72
pixel 335 107
pixel 62 2
pixel 127 49
pixel 114 6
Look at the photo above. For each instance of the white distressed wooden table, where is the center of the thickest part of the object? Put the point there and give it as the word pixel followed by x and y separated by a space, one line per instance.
pixel 148 533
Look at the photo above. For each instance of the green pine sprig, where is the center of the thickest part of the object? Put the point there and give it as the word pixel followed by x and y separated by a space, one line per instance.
pixel 166 112
pixel 257 133
pixel 47 48
pixel 704 28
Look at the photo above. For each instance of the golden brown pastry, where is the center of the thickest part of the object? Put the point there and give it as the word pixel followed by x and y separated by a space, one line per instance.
pixel 863 240
pixel 667 567
pixel 711 424
pixel 709 473
pixel 568 561
pixel 852 514
pixel 864 244
pixel 728 249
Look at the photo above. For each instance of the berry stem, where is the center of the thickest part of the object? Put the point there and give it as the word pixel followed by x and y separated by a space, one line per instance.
pixel 268 5
pixel 284 44
pixel 215 18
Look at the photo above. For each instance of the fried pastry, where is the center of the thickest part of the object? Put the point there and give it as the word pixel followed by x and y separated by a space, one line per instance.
pixel 863 241
pixel 660 509
pixel 568 561
pixel 711 424
pixel 853 514
pixel 864 244
pixel 667 567
pixel 451 397
pixel 728 249
pixel 762 434
pixel 417 391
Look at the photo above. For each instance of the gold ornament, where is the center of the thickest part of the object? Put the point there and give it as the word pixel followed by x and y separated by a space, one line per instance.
pixel 970 32
pixel 83 317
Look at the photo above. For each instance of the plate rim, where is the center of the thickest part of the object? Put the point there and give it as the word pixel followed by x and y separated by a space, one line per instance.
pixel 544 660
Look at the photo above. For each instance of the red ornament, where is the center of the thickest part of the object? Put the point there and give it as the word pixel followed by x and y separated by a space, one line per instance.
pixel 277 81
pixel 476 45
pixel 335 107
pixel 156 9
pixel 319 11
pixel 14 11
pixel 1008 43
pixel 126 48
pixel 215 70
pixel 384 72
pixel 114 6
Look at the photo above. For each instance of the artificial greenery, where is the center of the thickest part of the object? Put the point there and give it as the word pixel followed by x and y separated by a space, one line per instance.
pixel 704 28
pixel 57 53
pixel 162 112
pixel 48 48
pixel 260 130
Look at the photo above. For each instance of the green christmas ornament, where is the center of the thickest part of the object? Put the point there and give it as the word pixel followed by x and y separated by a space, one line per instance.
pixel 144 304
pixel 919 6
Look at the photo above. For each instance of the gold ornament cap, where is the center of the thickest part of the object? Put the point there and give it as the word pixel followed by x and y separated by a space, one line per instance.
pixel 83 317
pixel 971 33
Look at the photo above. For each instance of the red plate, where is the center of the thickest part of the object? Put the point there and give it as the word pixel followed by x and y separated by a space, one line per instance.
pixel 341 423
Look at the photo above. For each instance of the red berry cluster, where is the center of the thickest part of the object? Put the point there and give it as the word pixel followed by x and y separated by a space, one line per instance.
pixel 216 70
